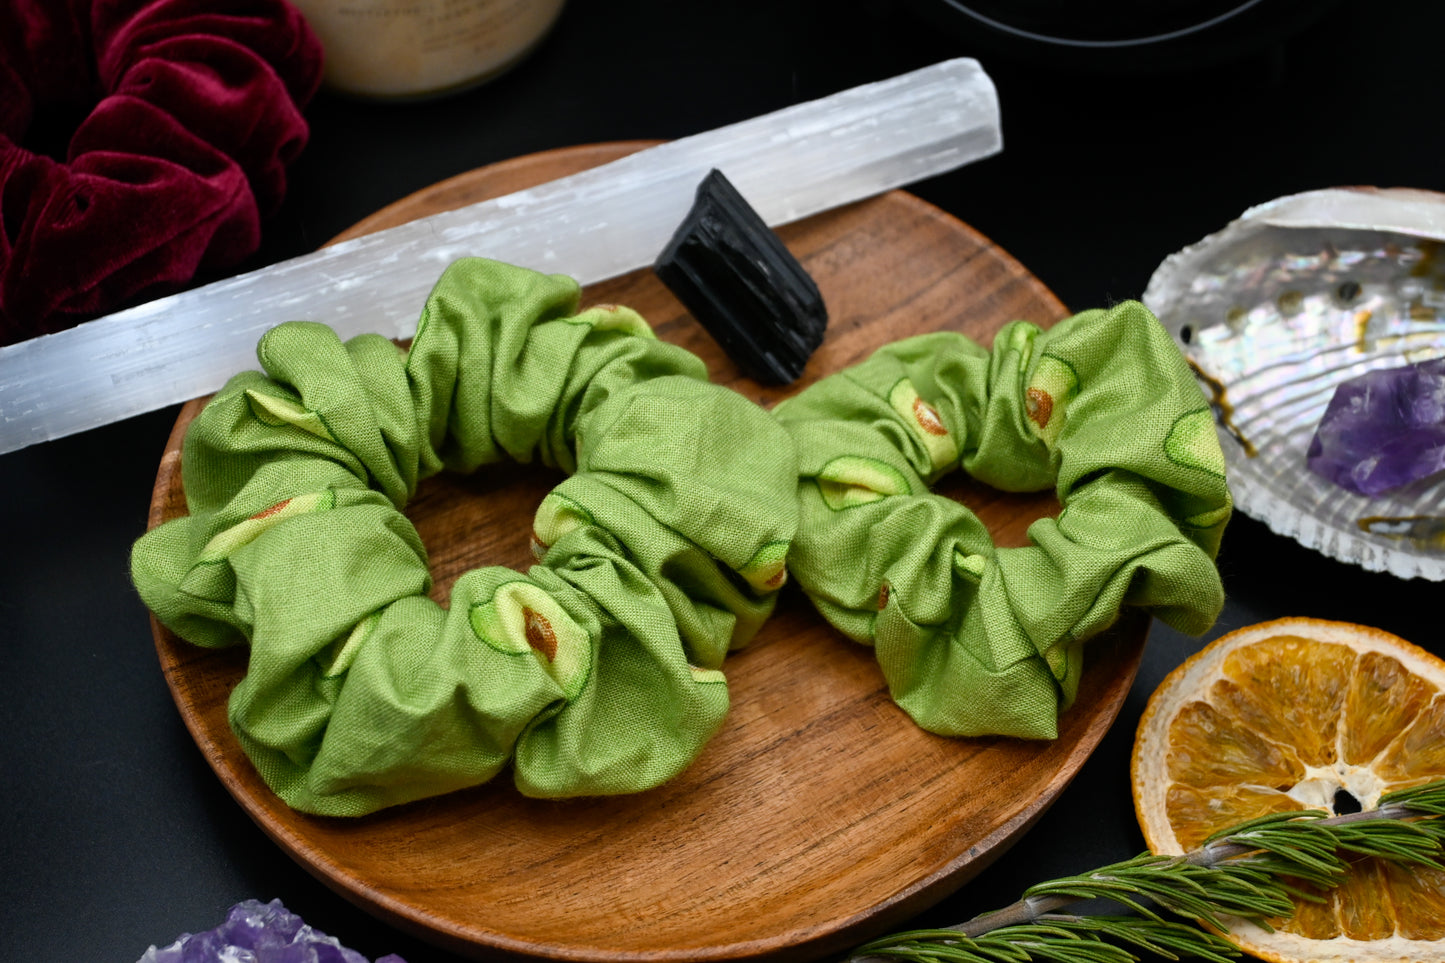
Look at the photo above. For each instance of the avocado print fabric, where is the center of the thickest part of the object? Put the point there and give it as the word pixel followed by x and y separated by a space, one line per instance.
pixel 595 672
pixel 979 640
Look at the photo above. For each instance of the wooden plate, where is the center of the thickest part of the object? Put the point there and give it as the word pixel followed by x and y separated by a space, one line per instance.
pixel 821 815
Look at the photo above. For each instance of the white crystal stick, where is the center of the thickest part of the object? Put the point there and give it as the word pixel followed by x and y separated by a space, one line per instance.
pixel 593 225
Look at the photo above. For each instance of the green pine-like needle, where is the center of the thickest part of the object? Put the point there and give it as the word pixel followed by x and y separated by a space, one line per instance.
pixel 1250 871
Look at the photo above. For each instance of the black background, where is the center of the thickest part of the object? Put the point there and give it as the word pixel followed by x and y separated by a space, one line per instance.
pixel 114 833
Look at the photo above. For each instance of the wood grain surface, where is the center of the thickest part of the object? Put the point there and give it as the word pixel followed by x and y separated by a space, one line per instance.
pixel 820 816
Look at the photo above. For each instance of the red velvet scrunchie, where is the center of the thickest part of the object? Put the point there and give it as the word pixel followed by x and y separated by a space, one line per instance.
pixel 197 113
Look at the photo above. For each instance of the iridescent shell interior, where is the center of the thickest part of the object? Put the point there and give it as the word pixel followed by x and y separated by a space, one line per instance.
pixel 1278 309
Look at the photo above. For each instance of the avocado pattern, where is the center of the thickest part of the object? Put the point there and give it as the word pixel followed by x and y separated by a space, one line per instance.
pixel 614 317
pixel 556 516
pixel 1210 518
pixel 767 570
pixel 1056 657
pixel 924 422
pixel 1193 442
pixel 852 480
pixel 225 542
pixel 336 658
pixel 521 618
pixel 276 411
pixel 1019 339
pixel 1046 398
pixel 706 676
pixel 969 566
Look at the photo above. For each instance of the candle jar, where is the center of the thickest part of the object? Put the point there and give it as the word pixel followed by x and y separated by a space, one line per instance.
pixel 397 49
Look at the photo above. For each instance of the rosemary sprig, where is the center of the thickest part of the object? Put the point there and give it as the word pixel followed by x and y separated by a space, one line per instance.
pixel 1250 871
pixel 1070 939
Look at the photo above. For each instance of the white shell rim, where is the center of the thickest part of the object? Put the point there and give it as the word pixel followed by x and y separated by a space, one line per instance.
pixel 1416 213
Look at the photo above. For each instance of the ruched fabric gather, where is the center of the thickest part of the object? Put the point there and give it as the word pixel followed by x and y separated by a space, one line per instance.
pixel 595 672
pixel 194 113
pixel 974 639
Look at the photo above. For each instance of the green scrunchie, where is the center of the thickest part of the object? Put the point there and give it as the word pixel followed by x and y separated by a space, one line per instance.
pixel 597 671
pixel 977 640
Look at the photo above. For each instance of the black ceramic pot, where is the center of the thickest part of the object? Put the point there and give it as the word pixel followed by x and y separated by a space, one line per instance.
pixel 1122 35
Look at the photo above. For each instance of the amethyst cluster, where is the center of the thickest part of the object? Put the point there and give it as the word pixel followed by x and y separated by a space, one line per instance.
pixel 256 932
pixel 1383 429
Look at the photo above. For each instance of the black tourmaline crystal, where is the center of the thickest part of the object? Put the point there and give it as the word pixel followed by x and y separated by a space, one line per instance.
pixel 736 277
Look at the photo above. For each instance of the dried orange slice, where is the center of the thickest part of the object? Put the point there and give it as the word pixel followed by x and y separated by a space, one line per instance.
pixel 1301 714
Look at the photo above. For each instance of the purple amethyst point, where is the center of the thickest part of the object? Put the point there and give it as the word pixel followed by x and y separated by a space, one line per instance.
pixel 263 933
pixel 1383 429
